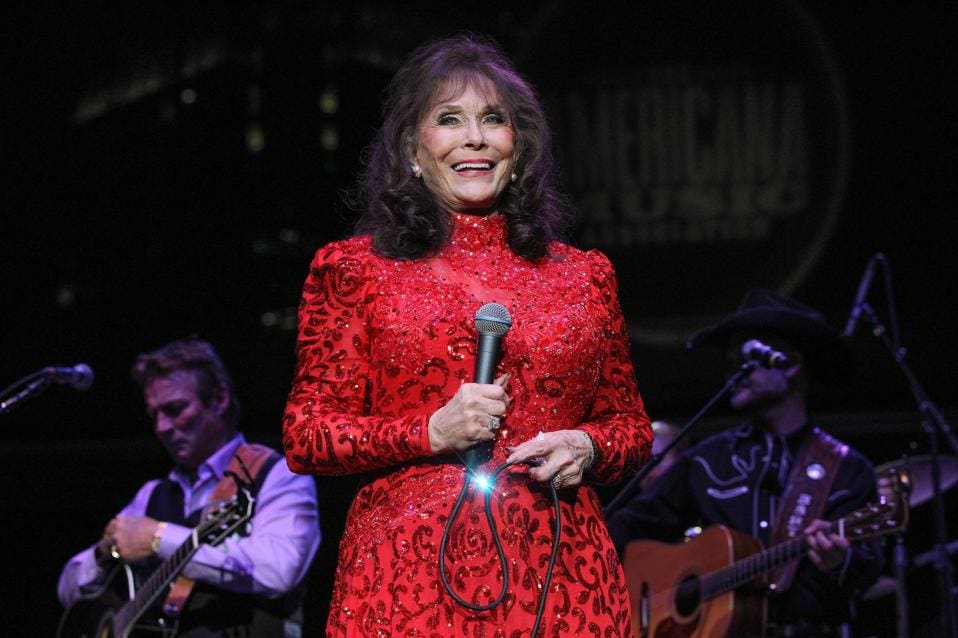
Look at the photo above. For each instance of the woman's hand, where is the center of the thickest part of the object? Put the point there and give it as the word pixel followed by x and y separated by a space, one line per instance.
pixel 562 456
pixel 470 417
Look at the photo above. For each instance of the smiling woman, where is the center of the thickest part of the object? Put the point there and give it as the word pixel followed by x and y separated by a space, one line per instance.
pixel 458 209
pixel 466 151
pixel 450 103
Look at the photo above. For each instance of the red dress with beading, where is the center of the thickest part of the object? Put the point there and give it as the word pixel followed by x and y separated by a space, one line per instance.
pixel 384 343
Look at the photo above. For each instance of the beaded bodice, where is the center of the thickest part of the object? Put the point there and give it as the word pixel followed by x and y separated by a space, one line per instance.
pixel 384 343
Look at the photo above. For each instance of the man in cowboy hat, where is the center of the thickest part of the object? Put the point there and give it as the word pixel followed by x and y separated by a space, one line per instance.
pixel 740 477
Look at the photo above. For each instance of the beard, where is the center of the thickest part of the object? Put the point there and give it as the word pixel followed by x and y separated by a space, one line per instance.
pixel 753 399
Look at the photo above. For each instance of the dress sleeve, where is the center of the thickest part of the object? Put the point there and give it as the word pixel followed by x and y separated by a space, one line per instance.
pixel 616 420
pixel 327 428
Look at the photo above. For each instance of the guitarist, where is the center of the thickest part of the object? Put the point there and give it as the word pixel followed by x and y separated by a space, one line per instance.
pixel 738 478
pixel 248 585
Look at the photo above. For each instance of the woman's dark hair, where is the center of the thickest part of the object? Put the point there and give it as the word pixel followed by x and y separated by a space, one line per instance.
pixel 399 211
pixel 197 357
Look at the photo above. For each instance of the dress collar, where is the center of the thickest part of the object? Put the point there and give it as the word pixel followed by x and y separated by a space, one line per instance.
pixel 475 231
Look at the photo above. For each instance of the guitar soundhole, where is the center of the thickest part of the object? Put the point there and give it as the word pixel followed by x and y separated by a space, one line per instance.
pixel 688 596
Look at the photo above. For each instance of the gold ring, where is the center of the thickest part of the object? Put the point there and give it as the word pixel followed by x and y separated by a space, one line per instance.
pixel 114 552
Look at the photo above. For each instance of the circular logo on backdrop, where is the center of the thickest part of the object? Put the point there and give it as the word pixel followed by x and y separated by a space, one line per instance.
pixel 705 146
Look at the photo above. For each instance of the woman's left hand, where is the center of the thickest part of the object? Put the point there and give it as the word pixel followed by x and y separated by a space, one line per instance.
pixel 561 457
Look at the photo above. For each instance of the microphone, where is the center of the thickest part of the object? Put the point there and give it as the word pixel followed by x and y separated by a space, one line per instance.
pixel 79 377
pixel 863 287
pixel 769 357
pixel 492 324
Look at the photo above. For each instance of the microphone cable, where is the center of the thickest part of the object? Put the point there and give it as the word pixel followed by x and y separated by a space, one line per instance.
pixel 556 531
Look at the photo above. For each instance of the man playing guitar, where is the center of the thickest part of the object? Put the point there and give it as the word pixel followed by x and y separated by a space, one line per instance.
pixel 250 583
pixel 741 478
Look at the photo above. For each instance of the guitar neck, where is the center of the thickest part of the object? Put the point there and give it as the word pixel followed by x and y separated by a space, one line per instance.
pixel 750 567
pixel 147 593
pixel 886 516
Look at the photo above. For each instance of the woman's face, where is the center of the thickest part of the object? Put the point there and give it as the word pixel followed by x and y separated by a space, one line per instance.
pixel 465 148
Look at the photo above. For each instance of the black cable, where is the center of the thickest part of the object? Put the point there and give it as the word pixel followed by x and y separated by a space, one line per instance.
pixel 557 529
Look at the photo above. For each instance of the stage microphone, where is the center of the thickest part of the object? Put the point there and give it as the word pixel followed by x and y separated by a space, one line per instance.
pixel 769 357
pixel 79 377
pixel 863 287
pixel 492 324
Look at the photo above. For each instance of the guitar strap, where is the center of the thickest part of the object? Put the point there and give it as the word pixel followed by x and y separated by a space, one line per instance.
pixel 806 494
pixel 250 463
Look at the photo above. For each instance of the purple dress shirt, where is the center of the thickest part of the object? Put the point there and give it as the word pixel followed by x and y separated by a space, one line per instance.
pixel 270 562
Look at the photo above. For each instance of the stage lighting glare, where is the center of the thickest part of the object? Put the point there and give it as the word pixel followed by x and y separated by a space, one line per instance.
pixel 482 482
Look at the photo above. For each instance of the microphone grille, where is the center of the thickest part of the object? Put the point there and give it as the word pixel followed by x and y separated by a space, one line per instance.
pixel 752 348
pixel 755 350
pixel 84 377
pixel 493 319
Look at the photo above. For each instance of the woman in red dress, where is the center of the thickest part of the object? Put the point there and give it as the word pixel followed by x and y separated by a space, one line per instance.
pixel 459 210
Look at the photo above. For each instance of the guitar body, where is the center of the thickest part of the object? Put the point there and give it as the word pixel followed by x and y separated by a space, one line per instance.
pixel 89 618
pixel 665 576
pixel 117 609
pixel 92 616
pixel 710 587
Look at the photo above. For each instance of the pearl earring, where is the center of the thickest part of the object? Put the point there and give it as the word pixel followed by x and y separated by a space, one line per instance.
pixel 416 171
pixel 513 177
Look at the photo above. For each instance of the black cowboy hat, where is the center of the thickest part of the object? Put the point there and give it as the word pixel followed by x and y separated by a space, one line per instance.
pixel 802 326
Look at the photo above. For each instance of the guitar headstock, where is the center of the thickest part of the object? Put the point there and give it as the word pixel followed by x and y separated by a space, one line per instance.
pixel 887 516
pixel 224 518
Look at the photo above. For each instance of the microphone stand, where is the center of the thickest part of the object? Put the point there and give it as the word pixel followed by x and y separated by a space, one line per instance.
pixel 935 426
pixel 633 486
pixel 32 385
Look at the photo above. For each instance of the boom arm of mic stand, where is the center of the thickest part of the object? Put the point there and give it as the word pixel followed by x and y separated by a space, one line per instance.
pixel 945 577
pixel 33 385
pixel 632 487
pixel 924 403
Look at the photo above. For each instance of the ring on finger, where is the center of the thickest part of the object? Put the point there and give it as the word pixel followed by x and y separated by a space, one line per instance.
pixel 557 481
pixel 494 423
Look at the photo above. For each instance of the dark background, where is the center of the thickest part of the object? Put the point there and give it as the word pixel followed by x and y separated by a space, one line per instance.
pixel 145 216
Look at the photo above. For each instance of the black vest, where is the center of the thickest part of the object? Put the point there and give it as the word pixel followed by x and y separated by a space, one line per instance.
pixel 212 612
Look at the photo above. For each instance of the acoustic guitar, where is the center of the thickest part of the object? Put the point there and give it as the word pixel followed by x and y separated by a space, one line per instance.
pixel 710 586
pixel 117 608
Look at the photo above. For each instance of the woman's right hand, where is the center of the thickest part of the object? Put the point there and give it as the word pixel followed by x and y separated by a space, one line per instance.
pixel 470 417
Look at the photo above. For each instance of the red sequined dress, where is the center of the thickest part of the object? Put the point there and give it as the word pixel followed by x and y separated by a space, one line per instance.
pixel 383 344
